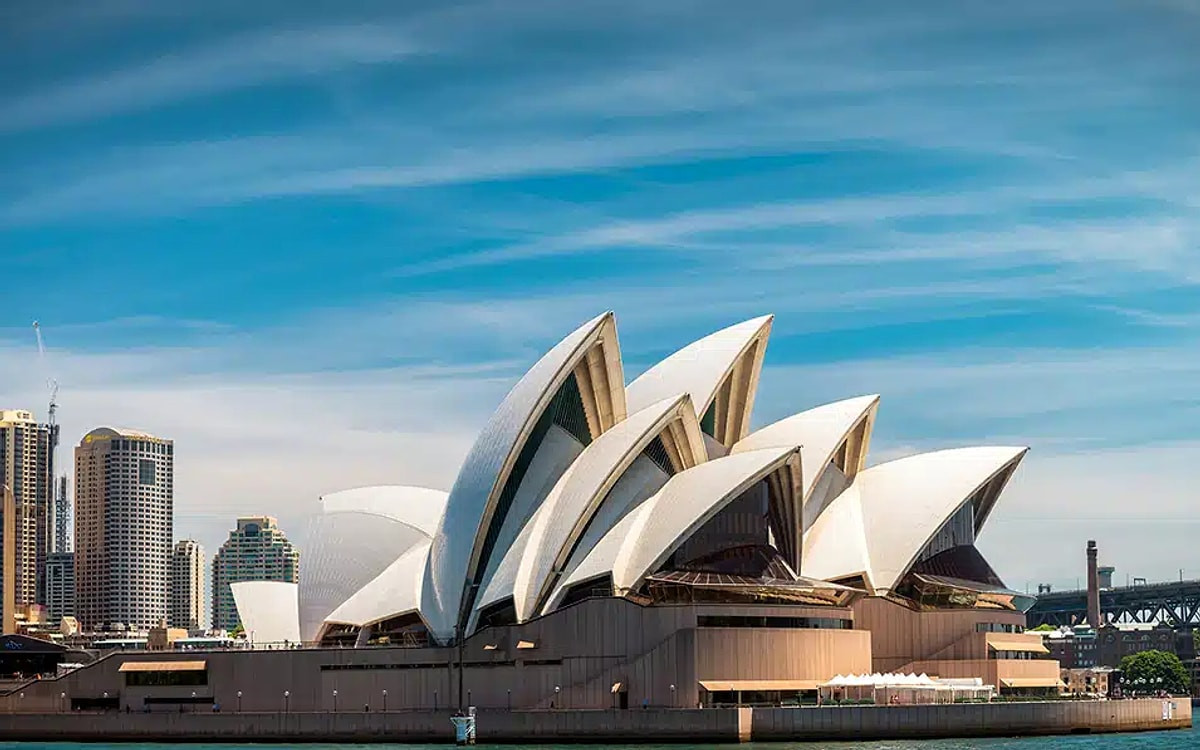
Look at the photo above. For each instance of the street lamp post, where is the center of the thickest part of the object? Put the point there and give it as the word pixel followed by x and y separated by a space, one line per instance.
pixel 556 691
pixel 335 701
pixel 385 699
pixel 672 695
pixel 287 700
pixel 62 701
pixel 510 699
pixel 435 702
pixel 239 697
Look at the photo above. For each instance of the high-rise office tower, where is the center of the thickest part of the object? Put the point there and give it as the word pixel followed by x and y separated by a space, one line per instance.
pixel 60 586
pixel 257 550
pixel 62 518
pixel 8 558
pixel 186 603
pixel 27 467
pixel 124 483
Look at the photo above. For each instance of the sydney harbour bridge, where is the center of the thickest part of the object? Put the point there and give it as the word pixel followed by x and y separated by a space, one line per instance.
pixel 1176 604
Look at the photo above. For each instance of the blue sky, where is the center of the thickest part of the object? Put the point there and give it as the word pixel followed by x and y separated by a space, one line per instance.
pixel 315 245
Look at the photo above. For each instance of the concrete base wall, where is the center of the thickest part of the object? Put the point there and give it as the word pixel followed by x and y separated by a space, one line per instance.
pixel 970 720
pixel 648 725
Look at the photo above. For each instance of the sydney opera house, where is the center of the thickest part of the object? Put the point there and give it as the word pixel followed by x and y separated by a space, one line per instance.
pixel 610 545
pixel 640 538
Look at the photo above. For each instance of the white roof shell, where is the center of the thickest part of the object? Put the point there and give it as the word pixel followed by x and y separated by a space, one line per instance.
pixel 454 558
pixel 576 497
pixel 357 534
pixel 420 508
pixel 395 591
pixel 819 432
pixel 700 368
pixel 878 526
pixel 503 582
pixel 644 539
pixel 269 610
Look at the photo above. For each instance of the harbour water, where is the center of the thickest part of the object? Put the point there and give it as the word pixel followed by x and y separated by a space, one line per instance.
pixel 1176 740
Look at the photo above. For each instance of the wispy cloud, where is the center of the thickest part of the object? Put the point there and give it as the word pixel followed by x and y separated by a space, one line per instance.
pixel 237 63
pixel 1010 222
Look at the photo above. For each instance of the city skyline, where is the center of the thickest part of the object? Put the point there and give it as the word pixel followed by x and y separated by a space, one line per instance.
pixel 315 253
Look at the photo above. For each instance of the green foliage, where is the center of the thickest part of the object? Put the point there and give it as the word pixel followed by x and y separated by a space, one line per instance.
pixel 1043 628
pixel 1154 670
pixel 237 631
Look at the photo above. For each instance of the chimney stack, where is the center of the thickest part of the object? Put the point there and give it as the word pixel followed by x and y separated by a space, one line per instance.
pixel 1093 586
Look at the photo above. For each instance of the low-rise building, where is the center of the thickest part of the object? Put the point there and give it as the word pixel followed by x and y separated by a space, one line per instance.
pixel 1087 681
pixel 1073 648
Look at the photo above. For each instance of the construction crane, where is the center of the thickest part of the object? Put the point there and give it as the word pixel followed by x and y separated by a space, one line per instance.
pixel 58 497
pixel 51 382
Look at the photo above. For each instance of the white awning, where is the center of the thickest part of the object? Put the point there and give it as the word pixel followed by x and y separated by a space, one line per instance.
pixel 1017 644
pixel 1030 682
pixel 720 686
pixel 163 666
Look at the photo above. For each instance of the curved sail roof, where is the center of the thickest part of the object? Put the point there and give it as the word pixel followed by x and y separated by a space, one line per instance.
pixel 820 432
pixel 268 610
pixel 644 539
pixel 459 553
pixel 420 508
pixel 356 535
pixel 503 582
pixel 721 368
pixel 395 591
pixel 576 497
pixel 880 524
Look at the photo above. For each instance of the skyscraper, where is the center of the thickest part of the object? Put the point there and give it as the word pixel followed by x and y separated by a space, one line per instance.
pixel 8 602
pixel 123 517
pixel 60 586
pixel 27 467
pixel 186 604
pixel 62 518
pixel 257 550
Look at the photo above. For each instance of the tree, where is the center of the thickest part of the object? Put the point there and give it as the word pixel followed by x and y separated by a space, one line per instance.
pixel 1154 670
pixel 238 631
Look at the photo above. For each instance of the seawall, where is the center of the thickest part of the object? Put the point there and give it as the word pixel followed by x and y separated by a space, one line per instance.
pixel 650 725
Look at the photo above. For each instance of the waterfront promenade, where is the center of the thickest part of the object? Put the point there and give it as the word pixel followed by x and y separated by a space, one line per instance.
pixel 648 725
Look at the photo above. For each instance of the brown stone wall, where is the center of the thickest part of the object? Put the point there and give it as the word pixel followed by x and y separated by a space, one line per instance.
pixel 766 654
pixel 900 636
pixel 582 650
